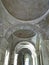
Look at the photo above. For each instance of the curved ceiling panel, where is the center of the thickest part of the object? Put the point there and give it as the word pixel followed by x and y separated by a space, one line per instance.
pixel 26 9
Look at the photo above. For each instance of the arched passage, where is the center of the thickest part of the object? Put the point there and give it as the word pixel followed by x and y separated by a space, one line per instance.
pixel 13 39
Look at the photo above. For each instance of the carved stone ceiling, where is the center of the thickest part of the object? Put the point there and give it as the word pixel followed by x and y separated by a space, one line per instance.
pixel 23 11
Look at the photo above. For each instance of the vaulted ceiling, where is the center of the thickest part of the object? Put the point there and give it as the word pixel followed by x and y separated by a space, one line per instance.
pixel 24 11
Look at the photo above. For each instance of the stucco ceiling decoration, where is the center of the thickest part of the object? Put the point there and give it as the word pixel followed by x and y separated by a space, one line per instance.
pixel 26 10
